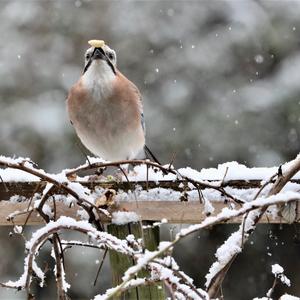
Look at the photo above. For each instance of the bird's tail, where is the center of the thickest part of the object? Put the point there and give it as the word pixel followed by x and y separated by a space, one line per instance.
pixel 150 155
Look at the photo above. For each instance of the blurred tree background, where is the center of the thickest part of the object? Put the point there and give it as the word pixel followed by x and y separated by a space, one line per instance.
pixel 220 81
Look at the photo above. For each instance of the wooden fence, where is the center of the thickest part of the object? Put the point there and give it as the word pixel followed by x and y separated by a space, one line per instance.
pixel 173 210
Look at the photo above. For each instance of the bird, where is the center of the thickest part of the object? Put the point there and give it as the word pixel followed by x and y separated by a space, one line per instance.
pixel 106 108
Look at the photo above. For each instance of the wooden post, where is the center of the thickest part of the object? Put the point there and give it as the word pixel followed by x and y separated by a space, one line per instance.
pixel 120 262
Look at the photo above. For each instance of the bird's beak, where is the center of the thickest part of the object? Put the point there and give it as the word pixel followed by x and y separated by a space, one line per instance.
pixel 99 54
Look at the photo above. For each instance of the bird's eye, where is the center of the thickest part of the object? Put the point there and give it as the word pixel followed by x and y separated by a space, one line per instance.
pixel 87 56
pixel 110 56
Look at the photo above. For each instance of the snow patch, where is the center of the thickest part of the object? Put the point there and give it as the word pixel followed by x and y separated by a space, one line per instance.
pixel 124 217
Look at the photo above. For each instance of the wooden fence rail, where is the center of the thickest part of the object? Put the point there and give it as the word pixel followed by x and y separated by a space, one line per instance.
pixel 174 210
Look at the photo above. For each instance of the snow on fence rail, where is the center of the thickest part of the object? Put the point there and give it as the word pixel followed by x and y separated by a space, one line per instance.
pixel 152 192
pixel 68 200
pixel 152 205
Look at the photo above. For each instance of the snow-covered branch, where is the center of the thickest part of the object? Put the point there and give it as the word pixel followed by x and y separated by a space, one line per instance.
pixel 102 239
pixel 231 247
pixel 270 187
pixel 236 241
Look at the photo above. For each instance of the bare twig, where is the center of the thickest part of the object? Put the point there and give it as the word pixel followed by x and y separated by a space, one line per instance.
pixel 172 159
pixel 28 207
pixel 59 268
pixel 271 290
pixel 43 201
pixel 100 266
pixel 225 174
pixel 181 276
pixel 265 184
pixel 5 186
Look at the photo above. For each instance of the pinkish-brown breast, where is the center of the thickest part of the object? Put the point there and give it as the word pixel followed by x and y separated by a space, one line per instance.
pixel 126 99
pixel 109 127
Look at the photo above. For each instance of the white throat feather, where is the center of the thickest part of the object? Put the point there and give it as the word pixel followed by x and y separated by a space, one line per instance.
pixel 98 79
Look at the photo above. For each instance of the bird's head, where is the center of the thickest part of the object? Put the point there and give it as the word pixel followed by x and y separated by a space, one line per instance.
pixel 100 69
pixel 100 58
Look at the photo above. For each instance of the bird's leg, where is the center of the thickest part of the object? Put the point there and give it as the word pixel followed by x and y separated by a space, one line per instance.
pixel 150 155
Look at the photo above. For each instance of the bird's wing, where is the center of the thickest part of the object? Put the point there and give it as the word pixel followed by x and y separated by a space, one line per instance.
pixel 148 152
pixel 140 103
pixel 143 122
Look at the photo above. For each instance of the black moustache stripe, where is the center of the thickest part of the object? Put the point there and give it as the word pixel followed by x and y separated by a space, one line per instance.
pixel 110 64
pixel 89 62
pixel 107 60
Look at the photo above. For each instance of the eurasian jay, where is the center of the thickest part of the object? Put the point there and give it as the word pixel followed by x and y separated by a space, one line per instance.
pixel 105 108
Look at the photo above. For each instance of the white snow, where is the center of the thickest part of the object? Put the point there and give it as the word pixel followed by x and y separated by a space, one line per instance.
pixel 182 289
pixel 97 237
pixel 18 229
pixel 13 175
pixel 208 207
pixel 233 171
pixel 164 194
pixel 232 245
pixel 278 270
pixel 96 160
pixel 229 248
pixel 63 222
pixel 39 273
pixel 288 297
pixel 163 245
pixel 103 239
pixel 124 217
pixel 65 284
pixel 22 280
pixel 223 173
pixel 139 173
pixel 144 259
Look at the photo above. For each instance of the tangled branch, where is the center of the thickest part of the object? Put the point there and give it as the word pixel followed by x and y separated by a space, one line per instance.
pixel 159 264
pixel 219 269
